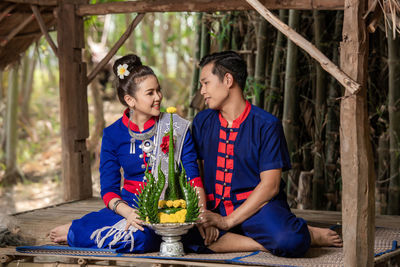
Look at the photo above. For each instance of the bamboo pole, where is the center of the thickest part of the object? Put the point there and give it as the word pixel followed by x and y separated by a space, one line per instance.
pixel 115 48
pixel 352 86
pixel 43 28
pixel 290 105
pixel 319 113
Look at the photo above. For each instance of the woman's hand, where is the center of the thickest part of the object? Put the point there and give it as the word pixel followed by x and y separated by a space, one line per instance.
pixel 210 218
pixel 133 219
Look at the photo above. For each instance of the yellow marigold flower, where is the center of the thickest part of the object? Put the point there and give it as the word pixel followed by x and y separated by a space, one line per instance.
pixel 183 203
pixel 170 203
pixel 163 217
pixel 161 203
pixel 172 218
pixel 177 203
pixel 147 219
pixel 180 218
pixel 171 109
pixel 181 215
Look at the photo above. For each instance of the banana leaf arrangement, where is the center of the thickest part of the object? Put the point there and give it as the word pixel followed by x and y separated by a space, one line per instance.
pixel 181 201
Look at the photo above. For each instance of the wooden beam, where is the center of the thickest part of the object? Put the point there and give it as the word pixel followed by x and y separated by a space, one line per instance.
pixel 16 30
pixel 300 41
pixel 73 103
pixel 35 2
pixel 6 12
pixel 43 28
pixel 202 6
pixel 115 48
pixel 357 165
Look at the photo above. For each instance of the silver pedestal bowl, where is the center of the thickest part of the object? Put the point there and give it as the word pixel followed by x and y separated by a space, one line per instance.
pixel 171 235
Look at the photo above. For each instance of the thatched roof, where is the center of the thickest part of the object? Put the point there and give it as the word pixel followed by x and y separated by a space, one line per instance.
pixel 19 27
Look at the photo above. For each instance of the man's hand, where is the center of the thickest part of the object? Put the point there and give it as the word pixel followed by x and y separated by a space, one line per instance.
pixel 210 218
pixel 209 234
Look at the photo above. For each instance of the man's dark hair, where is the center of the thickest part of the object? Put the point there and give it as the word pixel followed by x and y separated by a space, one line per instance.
pixel 227 62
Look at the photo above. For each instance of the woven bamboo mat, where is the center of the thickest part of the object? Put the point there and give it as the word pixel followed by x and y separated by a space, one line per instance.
pixel 386 240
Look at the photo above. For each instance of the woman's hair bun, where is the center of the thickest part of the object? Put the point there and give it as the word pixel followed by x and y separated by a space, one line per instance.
pixel 133 61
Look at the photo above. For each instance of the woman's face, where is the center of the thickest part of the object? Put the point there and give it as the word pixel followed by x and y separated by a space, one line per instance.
pixel 147 99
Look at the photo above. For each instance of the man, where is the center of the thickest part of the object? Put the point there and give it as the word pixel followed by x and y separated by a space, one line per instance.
pixel 243 151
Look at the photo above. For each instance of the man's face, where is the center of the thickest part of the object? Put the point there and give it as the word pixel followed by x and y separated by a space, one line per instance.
pixel 214 91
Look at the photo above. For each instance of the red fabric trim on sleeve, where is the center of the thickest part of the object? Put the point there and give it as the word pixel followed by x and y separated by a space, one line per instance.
pixel 134 187
pixel 196 182
pixel 108 196
pixel 244 195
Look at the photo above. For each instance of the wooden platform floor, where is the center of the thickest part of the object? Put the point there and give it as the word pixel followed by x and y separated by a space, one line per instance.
pixel 37 223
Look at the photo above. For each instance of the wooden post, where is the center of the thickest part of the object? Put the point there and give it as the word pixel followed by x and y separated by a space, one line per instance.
pixel 358 177
pixel 73 103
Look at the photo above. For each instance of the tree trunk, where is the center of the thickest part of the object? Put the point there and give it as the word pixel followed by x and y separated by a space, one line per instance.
pixel 28 86
pixel 2 105
pixel 100 123
pixel 196 59
pixel 290 108
pixel 304 194
pixel 131 42
pixel 148 38
pixel 274 90
pixel 12 175
pixel 249 44
pixel 163 44
pixel 332 120
pixel 394 123
pixel 320 98
pixel 261 62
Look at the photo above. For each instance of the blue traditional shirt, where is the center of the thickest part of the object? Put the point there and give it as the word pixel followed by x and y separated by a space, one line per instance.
pixel 115 153
pixel 234 157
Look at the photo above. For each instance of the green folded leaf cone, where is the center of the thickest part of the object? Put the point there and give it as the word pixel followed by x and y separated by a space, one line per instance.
pixel 178 188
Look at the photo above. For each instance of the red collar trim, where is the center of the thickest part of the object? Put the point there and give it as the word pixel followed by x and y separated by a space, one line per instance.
pixel 236 123
pixel 125 119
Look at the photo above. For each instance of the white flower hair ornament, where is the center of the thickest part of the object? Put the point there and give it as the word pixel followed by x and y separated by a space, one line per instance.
pixel 122 71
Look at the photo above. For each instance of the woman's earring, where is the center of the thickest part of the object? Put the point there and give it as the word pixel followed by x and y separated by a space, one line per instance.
pixel 131 113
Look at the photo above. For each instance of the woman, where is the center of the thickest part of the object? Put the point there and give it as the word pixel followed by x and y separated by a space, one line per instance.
pixel 133 143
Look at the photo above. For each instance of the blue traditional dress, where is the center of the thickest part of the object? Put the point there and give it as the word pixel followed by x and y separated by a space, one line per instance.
pixel 105 229
pixel 233 160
